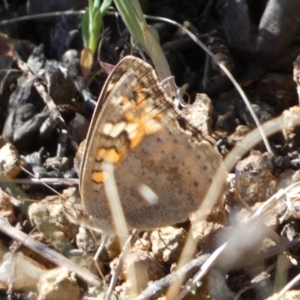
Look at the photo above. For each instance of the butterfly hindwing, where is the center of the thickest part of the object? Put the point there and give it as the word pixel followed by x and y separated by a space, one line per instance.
pixel 137 128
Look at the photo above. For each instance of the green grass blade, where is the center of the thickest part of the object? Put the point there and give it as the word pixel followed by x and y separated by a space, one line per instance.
pixel 104 6
pixel 97 25
pixel 133 18
pixel 85 29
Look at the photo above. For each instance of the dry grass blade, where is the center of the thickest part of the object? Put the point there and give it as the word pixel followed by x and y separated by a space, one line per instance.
pixel 286 195
pixel 114 201
pixel 160 62
pixel 86 62
pixel 118 217
pixel 117 271
pixel 41 16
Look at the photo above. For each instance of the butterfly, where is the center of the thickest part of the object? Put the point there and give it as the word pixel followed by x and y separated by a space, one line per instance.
pixel 152 146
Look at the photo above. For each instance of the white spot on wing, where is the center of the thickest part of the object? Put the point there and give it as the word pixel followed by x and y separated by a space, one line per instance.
pixel 147 193
pixel 107 128
pixel 131 129
pixel 117 129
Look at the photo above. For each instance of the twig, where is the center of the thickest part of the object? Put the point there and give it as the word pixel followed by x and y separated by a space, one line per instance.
pixel 52 181
pixel 46 252
pixel 114 278
pixel 156 288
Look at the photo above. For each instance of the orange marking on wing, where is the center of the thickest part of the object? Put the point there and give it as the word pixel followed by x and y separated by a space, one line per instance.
pixel 139 89
pixel 143 129
pixel 158 117
pixel 140 134
pixel 124 101
pixel 129 117
pixel 142 117
pixel 110 155
pixel 98 176
pixel 141 97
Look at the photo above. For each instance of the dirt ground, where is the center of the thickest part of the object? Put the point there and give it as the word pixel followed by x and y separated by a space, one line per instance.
pixel 46 108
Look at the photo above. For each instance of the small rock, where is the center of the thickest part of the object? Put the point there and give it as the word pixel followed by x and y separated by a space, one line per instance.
pixel 6 208
pixel 78 128
pixel 65 164
pixel 145 267
pixel 254 177
pixel 200 113
pixel 50 218
pixel 206 233
pixel 84 240
pixel 239 134
pixel 206 225
pixel 276 89
pixel 10 163
pixel 20 271
pixel 60 84
pixel 167 243
pixel 141 244
pixel 289 295
pixel 291 132
pixel 263 112
pixel 70 60
pixel 58 284
pixel 287 177
pixel 226 123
